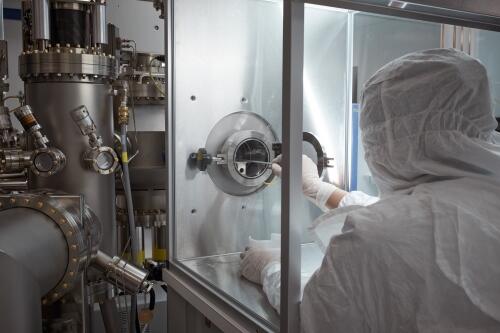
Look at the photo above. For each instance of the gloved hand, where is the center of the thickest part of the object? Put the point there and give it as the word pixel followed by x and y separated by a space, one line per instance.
pixel 255 260
pixel 316 190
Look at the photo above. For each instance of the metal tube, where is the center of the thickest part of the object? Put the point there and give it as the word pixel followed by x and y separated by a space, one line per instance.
pixel 41 21
pixel 131 221
pixel 2 34
pixel 121 273
pixel 100 29
pixel 110 316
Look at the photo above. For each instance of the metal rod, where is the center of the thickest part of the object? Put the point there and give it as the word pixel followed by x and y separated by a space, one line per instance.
pixel 256 162
pixel 291 186
pixel 100 29
pixel 41 22
pixel 2 34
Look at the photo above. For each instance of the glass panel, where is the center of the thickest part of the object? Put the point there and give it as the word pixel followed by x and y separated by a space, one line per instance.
pixel 378 40
pixel 486 49
pixel 227 100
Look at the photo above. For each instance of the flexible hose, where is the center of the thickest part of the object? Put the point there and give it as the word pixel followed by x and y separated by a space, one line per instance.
pixel 134 245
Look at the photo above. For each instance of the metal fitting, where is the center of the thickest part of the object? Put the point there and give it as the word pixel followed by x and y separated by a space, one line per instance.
pixel 99 158
pixel 27 119
pixel 123 274
pixel 46 162
pixel 123 115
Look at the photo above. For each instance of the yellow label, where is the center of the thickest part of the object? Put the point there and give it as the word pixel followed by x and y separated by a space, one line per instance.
pixel 140 258
pixel 124 157
pixel 160 254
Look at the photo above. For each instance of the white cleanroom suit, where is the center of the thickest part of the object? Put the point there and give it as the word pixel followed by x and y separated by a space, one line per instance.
pixel 426 257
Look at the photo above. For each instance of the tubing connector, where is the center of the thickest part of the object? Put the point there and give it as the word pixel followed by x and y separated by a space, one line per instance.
pixel 99 158
pixel 123 274
pixel 27 119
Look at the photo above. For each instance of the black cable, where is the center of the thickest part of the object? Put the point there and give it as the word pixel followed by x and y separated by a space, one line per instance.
pixel 152 299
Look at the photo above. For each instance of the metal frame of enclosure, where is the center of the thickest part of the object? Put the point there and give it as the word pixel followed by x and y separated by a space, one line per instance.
pixel 224 314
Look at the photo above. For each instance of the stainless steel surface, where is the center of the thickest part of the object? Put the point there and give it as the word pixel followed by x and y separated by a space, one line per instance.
pixel 20 306
pixel 100 28
pixel 222 273
pixel 41 19
pixel 147 169
pixel 46 256
pixel 249 79
pixel 75 222
pixel 124 275
pixel 226 138
pixel 54 112
pixel 66 62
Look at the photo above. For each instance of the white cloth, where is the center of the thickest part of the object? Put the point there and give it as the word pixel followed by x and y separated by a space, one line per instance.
pixel 425 257
pixel 323 231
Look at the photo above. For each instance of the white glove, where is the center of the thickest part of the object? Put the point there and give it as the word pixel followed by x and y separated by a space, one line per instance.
pixel 316 190
pixel 255 260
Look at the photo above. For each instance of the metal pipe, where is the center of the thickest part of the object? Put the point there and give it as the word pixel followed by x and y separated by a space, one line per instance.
pixel 110 316
pixel 100 29
pixel 121 273
pixel 2 34
pixel 130 213
pixel 41 20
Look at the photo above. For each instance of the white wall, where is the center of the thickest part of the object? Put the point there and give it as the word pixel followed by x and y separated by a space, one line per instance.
pixel 138 20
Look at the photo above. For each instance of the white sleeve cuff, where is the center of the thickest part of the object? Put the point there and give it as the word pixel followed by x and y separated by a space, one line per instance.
pixel 324 192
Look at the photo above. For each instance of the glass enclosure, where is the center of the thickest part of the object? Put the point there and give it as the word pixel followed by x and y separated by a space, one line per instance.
pixel 227 103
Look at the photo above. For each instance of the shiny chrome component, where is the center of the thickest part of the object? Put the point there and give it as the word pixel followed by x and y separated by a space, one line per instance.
pixel 41 20
pixel 100 30
pixel 25 116
pixel 47 161
pixel 14 160
pixel 68 63
pixel 126 276
pixel 232 145
pixel 101 159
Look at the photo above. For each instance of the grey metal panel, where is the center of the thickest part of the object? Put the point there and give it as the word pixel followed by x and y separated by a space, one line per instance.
pixel 52 103
pixel 235 65
pixel 466 12
pixel 232 65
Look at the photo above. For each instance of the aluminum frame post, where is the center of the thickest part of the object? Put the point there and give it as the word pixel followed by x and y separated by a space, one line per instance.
pixel 291 188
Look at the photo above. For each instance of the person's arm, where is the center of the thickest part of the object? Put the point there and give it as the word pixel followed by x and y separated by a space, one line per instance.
pixel 262 266
pixel 325 195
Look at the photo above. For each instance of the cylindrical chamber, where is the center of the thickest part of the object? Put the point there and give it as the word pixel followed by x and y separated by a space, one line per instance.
pixel 70 24
pixel 52 102
pixel 41 20
pixel 100 29
pixel 44 251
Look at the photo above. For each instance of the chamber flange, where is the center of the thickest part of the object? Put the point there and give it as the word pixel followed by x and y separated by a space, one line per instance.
pixel 238 153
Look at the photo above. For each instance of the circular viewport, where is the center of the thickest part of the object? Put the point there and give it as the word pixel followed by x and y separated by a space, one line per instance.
pixel 251 158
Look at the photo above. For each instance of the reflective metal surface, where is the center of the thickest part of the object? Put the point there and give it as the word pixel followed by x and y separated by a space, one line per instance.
pixel 223 273
pixel 248 40
pixel 53 102
pixel 226 138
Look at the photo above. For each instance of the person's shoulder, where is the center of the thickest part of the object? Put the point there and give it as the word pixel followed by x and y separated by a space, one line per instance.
pixel 391 217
